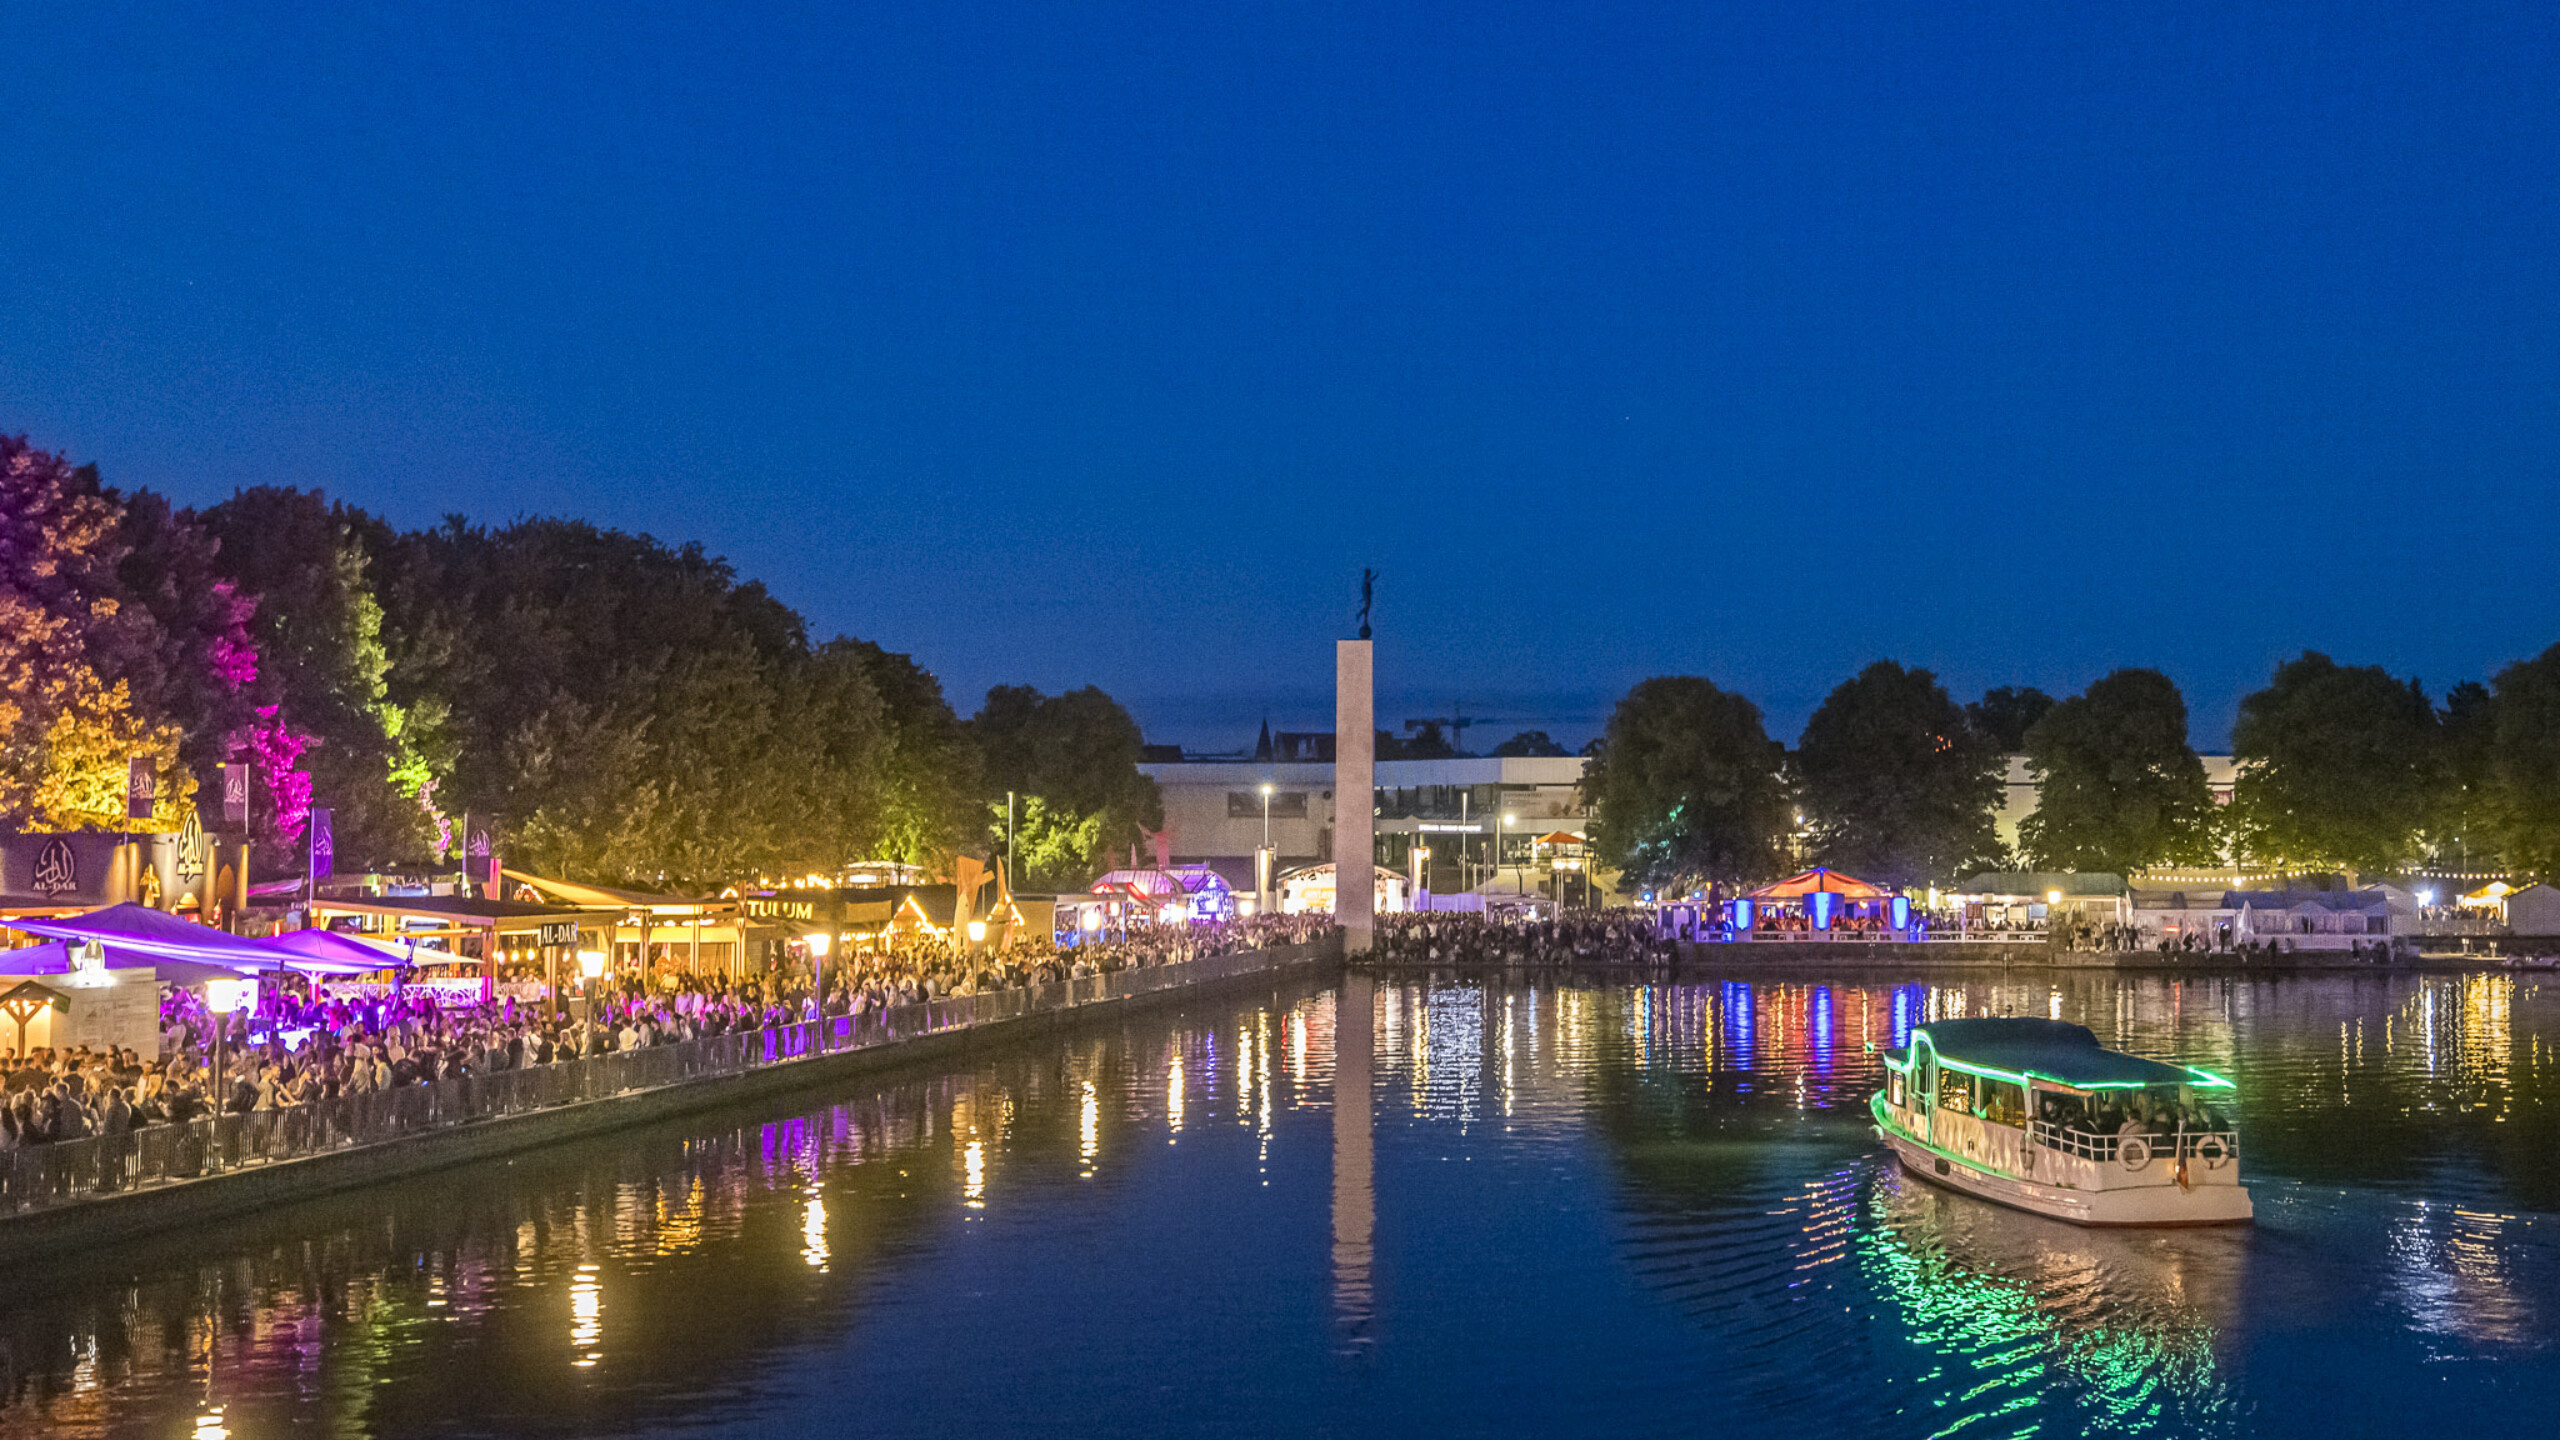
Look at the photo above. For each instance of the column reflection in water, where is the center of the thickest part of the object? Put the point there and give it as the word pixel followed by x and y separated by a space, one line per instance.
pixel 1355 1202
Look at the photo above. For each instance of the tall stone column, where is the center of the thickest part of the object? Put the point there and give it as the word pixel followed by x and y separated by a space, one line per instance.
pixel 1355 780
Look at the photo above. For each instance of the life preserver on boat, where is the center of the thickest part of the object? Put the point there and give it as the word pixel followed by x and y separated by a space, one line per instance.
pixel 2217 1155
pixel 2134 1151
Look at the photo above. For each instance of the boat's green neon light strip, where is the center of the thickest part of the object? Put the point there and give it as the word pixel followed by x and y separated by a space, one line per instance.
pixel 2203 1079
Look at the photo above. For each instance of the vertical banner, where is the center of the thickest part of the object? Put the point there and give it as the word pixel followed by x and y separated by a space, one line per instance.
pixel 235 797
pixel 324 846
pixel 141 789
pixel 483 869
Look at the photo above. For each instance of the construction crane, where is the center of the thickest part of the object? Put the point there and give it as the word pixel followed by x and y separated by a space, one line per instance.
pixel 1452 725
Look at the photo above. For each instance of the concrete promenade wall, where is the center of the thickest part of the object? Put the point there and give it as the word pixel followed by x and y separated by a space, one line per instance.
pixel 95 1220
pixel 1883 955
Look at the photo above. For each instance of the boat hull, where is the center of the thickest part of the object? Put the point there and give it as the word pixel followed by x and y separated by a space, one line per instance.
pixel 2131 1205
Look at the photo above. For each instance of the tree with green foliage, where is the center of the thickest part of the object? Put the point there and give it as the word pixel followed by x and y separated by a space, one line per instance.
pixel 2464 826
pixel 2524 776
pixel 326 668
pixel 1054 849
pixel 1078 753
pixel 2004 716
pixel 2117 785
pixel 930 792
pixel 1529 743
pixel 1685 788
pixel 632 712
pixel 2338 767
pixel 73 641
pixel 1897 784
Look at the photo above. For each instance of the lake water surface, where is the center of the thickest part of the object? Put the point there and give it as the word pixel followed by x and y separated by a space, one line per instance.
pixel 1404 1205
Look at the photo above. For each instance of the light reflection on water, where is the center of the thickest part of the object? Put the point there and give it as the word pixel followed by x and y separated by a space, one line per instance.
pixel 1547 1208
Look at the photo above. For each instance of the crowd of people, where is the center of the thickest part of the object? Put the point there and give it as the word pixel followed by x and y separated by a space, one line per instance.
pixel 304 1044
pixel 1609 937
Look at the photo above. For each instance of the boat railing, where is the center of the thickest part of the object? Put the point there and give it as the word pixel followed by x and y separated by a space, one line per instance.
pixel 2106 1149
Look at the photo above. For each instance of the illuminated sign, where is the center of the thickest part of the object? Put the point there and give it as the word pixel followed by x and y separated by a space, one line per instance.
pixel 191 847
pixel 776 908
pixel 56 870
pixel 556 932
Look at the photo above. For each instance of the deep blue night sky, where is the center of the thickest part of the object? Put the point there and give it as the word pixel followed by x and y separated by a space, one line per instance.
pixel 1105 344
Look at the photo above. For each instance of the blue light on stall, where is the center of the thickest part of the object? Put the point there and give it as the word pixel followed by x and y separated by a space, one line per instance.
pixel 1822 902
pixel 1741 914
pixel 1901 912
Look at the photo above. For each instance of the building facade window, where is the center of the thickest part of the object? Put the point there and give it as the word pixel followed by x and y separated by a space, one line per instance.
pixel 1285 805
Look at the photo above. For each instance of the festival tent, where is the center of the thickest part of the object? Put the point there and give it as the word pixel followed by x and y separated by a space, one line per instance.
pixel 326 952
pixel 1796 887
pixel 55 959
pixel 154 934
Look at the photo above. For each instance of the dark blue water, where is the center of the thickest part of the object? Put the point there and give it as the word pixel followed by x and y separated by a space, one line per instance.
pixel 1560 1209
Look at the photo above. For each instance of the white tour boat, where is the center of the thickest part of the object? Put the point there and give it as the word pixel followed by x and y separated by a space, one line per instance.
pixel 2035 1114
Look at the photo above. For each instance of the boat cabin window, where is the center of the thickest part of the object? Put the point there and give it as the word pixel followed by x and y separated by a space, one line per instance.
pixel 1893 1087
pixel 2004 1102
pixel 2064 1112
pixel 1955 1091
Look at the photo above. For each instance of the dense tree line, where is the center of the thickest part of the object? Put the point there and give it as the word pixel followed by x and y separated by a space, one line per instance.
pixel 2341 770
pixel 623 710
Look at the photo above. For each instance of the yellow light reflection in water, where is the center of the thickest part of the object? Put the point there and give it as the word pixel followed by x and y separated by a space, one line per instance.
pixel 1092 1129
pixel 586 1316
pixel 1244 1075
pixel 209 1426
pixel 813 1234
pixel 1173 1091
pixel 973 1183
pixel 1262 1105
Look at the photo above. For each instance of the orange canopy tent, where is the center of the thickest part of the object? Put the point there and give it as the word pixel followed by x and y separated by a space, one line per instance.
pixel 1796 887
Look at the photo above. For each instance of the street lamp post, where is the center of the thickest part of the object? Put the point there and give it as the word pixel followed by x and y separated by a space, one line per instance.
pixel 1264 864
pixel 818 946
pixel 590 970
pixel 1501 839
pixel 225 998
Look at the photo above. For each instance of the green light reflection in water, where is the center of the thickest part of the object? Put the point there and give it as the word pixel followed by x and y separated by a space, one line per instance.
pixel 2037 1327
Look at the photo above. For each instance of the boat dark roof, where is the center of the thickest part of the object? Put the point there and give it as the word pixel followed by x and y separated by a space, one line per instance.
pixel 2048 1050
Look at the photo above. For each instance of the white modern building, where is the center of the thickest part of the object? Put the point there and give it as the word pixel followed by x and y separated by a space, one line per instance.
pixel 1478 817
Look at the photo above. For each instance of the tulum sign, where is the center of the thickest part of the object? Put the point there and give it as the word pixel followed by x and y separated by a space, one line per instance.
pixel 760 907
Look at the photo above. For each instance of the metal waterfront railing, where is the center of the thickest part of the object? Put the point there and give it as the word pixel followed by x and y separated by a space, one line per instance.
pixel 2105 1148
pixel 39 1176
